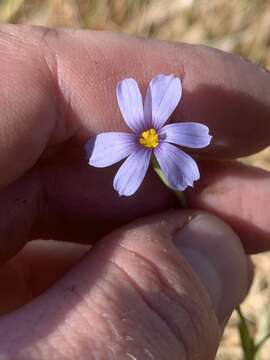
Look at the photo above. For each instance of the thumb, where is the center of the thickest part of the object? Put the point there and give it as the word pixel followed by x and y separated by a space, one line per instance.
pixel 159 288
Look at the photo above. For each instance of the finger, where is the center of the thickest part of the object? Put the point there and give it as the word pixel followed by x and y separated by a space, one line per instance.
pixel 159 287
pixel 228 98
pixel 239 194
pixel 68 202
pixel 64 105
pixel 66 94
pixel 35 269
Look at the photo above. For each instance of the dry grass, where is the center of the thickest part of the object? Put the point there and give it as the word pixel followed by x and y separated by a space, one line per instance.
pixel 239 26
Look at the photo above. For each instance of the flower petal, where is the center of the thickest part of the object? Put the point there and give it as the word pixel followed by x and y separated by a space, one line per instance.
pixel 189 134
pixel 132 172
pixel 130 103
pixel 178 167
pixel 109 148
pixel 164 93
pixel 147 109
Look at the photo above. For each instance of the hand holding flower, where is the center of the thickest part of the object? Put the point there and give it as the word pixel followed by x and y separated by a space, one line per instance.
pixel 161 286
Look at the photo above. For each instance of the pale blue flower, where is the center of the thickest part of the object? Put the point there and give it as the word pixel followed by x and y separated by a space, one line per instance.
pixel 150 137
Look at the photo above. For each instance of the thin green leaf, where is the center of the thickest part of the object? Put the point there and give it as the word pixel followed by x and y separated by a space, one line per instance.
pixel 261 342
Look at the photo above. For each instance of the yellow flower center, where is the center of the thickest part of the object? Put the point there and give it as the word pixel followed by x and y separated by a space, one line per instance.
pixel 149 138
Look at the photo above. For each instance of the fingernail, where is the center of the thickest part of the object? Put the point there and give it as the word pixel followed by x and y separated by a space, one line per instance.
pixel 217 257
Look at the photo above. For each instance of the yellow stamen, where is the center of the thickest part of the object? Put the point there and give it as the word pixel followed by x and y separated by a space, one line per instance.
pixel 149 138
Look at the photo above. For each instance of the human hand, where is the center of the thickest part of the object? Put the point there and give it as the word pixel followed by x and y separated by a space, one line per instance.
pixel 57 90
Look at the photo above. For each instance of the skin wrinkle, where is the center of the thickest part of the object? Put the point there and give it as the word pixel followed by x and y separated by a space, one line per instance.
pixel 51 62
pixel 94 308
pixel 150 306
pixel 44 85
pixel 98 305
pixel 26 354
pixel 74 327
pixel 110 325
pixel 71 345
pixel 7 36
pixel 56 350
pixel 122 343
pixel 160 233
pixel 121 280
pixel 36 326
pixel 147 352
pixel 96 55
pixel 63 96
pixel 162 229
pixel 166 285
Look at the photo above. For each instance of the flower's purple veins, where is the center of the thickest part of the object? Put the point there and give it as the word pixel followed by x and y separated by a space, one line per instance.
pixel 112 147
pixel 188 134
pixel 165 93
pixel 178 167
pixel 132 172
pixel 149 137
pixel 130 103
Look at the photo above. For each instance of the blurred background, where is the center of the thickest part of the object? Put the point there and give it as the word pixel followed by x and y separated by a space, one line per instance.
pixel 238 26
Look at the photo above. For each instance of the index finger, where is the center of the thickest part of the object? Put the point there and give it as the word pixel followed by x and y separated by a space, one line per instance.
pixel 60 84
pixel 224 91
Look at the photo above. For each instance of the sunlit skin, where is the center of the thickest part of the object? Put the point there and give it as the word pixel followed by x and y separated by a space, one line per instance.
pixel 59 90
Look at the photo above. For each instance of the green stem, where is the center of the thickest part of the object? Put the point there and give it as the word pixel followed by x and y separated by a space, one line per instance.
pixel 247 340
